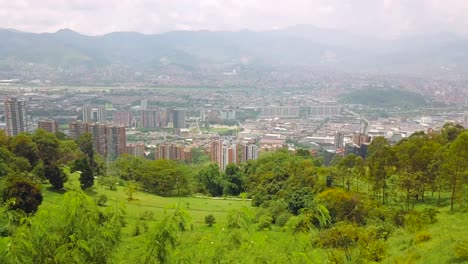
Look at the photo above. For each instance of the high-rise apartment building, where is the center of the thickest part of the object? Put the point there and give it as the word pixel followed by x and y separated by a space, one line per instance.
pixel 249 152
pixel 359 139
pixel 107 139
pixel 49 125
pixel 223 153
pixel 153 118
pixel 15 115
pixel 144 104
pixel 174 152
pixel 94 113
pixel 116 141
pixel 122 118
pixel 136 150
pixel 339 140
pixel 178 119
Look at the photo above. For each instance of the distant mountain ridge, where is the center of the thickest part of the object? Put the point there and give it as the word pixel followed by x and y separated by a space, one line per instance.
pixel 301 45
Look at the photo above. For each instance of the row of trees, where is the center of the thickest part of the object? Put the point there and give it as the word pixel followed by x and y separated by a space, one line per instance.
pixel 412 168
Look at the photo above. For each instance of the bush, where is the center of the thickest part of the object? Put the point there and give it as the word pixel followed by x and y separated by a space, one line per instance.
pixel 24 194
pixel 430 215
pixel 282 219
pixel 101 200
pixel 422 236
pixel 264 222
pixel 414 221
pixel 210 220
pixel 461 249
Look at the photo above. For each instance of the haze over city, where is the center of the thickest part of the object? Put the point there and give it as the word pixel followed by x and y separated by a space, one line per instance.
pixel 384 18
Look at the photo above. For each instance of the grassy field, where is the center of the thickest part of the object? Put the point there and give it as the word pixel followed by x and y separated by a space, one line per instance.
pixel 402 246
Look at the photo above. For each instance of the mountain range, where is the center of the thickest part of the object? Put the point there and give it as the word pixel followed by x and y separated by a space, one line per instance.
pixel 302 45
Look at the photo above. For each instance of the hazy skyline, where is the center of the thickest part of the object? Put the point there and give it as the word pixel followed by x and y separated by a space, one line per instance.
pixel 372 17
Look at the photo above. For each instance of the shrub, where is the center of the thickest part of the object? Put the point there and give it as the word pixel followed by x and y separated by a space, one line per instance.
pixel 282 219
pixel 101 200
pixel 461 249
pixel 422 236
pixel 210 220
pixel 25 194
pixel 430 215
pixel 264 222
pixel 414 221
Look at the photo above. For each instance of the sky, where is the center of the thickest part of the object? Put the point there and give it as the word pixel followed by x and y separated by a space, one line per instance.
pixel 385 18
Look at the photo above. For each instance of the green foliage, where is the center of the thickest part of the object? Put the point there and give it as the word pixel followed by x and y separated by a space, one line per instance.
pixel 164 239
pixel 384 98
pixel 23 194
pixel 163 177
pixel 75 232
pixel 130 190
pixel 22 145
pixel 101 199
pixel 109 182
pixel 142 222
pixel 282 219
pixel 343 205
pixel 277 175
pixel 265 222
pixel 210 220
pixel 55 175
pixel 422 236
pixel 299 199
pixel 349 243
pixel 233 180
pixel 86 172
pixel 241 218
pixel 85 143
pixel 210 180
pixel 47 145
pixel 461 249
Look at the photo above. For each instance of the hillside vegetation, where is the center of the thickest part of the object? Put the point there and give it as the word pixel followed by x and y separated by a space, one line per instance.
pixel 384 98
pixel 401 204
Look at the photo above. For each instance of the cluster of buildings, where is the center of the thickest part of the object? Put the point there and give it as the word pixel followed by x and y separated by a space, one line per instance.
pixel 172 151
pixel 224 152
pixel 108 139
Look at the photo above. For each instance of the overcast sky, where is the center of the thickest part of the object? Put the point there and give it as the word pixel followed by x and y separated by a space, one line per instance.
pixel 374 17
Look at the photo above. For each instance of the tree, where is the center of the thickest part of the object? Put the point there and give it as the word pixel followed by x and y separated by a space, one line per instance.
pixel 4 139
pixel 130 190
pixel 47 145
pixel 210 220
pixel 23 145
pixel 164 239
pixel 55 175
pixel 233 180
pixel 76 231
pixel 450 131
pixel 209 179
pixel 25 195
pixel 86 145
pixel 346 165
pixel 381 161
pixel 359 171
pixel 86 172
pixel 457 165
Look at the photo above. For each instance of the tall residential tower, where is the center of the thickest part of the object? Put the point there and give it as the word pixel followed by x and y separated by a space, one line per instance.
pixel 15 115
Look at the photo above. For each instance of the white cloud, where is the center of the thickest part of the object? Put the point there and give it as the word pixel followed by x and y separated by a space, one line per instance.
pixel 382 17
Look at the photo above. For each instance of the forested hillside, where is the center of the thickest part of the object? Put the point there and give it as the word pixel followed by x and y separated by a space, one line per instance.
pixel 403 203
